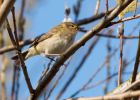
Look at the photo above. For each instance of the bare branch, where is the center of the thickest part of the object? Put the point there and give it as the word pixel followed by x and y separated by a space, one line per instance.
pixel 97 7
pixel 92 18
pixel 120 68
pixel 136 8
pixel 11 47
pixel 5 9
pixel 127 95
pixel 136 63
pixel 107 6
pixel 124 19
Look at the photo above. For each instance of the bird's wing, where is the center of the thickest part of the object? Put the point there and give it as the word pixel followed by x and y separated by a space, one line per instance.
pixel 45 36
pixel 40 38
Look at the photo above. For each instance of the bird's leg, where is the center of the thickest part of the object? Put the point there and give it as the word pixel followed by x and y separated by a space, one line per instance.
pixel 49 57
pixel 53 55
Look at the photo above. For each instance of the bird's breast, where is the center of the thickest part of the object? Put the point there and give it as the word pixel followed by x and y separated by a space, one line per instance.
pixel 55 45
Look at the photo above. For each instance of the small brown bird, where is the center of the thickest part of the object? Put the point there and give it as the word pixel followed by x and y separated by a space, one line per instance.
pixel 54 42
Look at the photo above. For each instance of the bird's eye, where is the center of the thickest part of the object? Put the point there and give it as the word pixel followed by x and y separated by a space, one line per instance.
pixel 72 26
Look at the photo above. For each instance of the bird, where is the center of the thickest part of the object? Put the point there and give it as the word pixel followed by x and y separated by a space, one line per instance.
pixel 53 43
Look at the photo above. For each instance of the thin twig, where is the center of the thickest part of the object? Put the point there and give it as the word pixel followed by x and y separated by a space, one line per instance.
pixel 124 20
pixel 13 82
pixel 45 71
pixel 108 46
pixel 21 20
pixel 136 8
pixel 120 32
pixel 97 7
pixel 136 63
pixel 15 27
pixel 107 6
pixel 17 69
pixel 92 18
pixel 17 82
pixel 11 47
pixel 77 9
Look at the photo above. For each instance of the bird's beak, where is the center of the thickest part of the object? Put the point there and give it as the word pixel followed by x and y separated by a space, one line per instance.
pixel 81 29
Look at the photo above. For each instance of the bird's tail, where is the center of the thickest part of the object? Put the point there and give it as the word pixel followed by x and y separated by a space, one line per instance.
pixel 23 55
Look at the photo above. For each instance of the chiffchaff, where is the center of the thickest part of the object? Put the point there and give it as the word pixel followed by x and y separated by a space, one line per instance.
pixel 54 42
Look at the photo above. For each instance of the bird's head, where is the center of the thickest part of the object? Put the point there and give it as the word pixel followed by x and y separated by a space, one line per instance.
pixel 70 26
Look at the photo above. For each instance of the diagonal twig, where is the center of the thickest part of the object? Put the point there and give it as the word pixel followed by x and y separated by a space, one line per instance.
pixel 136 63
pixel 21 58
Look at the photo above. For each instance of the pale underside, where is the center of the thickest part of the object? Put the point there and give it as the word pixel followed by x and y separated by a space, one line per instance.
pixel 50 47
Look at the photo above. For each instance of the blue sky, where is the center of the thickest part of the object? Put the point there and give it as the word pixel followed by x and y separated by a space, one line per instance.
pixel 47 14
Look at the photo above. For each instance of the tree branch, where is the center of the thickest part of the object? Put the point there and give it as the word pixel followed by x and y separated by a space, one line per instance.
pixel 136 63
pixel 121 96
pixel 5 9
